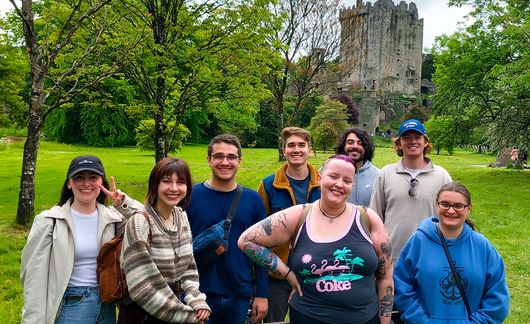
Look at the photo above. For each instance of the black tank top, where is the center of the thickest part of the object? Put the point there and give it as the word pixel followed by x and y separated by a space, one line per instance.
pixel 337 278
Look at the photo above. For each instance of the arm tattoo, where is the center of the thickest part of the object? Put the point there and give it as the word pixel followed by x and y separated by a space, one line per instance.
pixel 266 226
pixel 386 302
pixel 261 255
pixel 386 247
pixel 380 271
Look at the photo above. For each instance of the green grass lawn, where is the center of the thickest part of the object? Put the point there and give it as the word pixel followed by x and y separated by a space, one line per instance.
pixel 501 200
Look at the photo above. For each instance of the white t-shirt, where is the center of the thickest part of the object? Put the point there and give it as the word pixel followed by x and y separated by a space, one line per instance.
pixel 86 249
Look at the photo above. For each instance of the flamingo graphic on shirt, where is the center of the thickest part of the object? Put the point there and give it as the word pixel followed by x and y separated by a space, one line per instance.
pixel 335 275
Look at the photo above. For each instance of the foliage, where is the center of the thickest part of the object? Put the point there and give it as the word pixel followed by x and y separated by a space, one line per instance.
pixel 330 120
pixel 95 126
pixel 266 134
pixel 175 135
pixel 351 106
pixel 427 66
pixel 416 111
pixel 62 125
pixel 190 58
pixel 483 72
pixel 441 133
pixel 306 110
pixel 236 118
pixel 13 71
pixel 106 127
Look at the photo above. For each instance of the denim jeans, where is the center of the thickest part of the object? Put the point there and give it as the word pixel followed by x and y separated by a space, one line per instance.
pixel 227 309
pixel 82 305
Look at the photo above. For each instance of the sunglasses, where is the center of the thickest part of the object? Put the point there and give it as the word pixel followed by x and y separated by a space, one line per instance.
pixel 412 189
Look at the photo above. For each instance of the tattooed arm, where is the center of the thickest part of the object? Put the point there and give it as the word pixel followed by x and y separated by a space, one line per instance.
pixel 273 230
pixel 384 272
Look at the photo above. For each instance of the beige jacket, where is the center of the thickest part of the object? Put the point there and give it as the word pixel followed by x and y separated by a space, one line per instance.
pixel 48 258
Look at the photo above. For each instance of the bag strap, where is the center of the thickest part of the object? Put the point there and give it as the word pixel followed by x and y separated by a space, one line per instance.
pixel 232 211
pixel 453 270
pixel 301 221
pixel 365 220
pixel 150 235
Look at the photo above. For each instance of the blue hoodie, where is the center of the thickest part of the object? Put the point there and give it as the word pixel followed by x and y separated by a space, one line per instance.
pixel 424 287
pixel 363 184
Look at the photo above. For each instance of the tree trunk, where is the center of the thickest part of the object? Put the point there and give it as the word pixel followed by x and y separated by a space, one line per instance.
pixel 26 196
pixel 279 108
pixel 160 146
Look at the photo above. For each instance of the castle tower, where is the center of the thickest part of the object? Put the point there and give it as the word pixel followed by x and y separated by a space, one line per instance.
pixel 381 47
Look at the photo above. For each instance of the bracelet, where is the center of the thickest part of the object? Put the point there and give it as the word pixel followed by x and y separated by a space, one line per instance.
pixel 285 277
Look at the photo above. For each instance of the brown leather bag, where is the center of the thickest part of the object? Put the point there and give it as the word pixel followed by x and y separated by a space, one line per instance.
pixel 111 280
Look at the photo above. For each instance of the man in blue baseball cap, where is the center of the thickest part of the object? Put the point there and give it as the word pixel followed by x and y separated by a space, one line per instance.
pixel 405 192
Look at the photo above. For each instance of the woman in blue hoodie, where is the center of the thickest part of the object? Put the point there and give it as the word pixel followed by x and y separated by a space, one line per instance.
pixel 424 284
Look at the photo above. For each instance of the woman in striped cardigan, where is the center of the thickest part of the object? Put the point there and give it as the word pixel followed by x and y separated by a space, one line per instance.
pixel 157 255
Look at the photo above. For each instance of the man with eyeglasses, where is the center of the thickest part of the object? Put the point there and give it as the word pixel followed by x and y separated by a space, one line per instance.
pixel 357 144
pixel 295 182
pixel 405 192
pixel 231 281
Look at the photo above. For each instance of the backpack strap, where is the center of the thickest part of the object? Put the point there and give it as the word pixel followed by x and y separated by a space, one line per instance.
pixel 365 220
pixel 232 211
pixel 301 221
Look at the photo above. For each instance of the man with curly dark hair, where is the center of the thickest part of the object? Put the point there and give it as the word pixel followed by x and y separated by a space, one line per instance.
pixel 357 144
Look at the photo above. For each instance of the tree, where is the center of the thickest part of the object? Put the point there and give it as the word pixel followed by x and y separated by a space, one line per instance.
pixel 13 71
pixel 483 72
pixel 193 58
pixel 442 133
pixel 307 41
pixel 427 66
pixel 352 108
pixel 58 43
pixel 330 120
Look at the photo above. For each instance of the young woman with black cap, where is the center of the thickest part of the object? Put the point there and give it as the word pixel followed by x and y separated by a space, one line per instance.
pixel 58 265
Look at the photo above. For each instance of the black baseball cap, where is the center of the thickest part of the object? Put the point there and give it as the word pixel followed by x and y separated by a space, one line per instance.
pixel 85 163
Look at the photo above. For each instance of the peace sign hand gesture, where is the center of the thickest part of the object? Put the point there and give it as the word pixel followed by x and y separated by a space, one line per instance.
pixel 116 195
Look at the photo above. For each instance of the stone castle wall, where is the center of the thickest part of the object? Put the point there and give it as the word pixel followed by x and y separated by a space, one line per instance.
pixel 381 47
pixel 380 59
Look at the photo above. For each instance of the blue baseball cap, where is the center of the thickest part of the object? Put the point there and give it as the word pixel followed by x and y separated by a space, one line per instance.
pixel 411 125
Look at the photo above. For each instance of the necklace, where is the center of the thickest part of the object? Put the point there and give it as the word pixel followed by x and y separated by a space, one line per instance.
pixel 331 218
pixel 162 215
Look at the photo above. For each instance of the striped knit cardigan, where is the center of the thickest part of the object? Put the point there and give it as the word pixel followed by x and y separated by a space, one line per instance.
pixel 149 268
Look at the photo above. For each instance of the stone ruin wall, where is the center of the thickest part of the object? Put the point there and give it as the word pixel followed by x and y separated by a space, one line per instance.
pixel 380 56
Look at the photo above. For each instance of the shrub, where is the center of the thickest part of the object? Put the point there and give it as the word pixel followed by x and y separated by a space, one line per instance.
pixel 145 136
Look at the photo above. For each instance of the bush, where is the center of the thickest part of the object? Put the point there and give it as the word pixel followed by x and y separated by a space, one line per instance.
pixel 96 126
pixel 145 136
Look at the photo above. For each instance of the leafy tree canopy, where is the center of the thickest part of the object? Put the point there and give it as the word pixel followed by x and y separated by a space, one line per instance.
pixel 483 73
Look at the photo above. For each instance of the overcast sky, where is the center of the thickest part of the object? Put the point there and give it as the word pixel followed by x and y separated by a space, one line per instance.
pixel 438 18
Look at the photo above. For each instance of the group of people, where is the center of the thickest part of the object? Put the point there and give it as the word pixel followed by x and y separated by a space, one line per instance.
pixel 344 243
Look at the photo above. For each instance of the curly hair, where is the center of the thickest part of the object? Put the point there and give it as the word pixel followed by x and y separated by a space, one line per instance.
pixel 366 141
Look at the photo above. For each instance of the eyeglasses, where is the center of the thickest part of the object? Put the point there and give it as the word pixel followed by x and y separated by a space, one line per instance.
pixel 220 157
pixel 412 189
pixel 446 206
